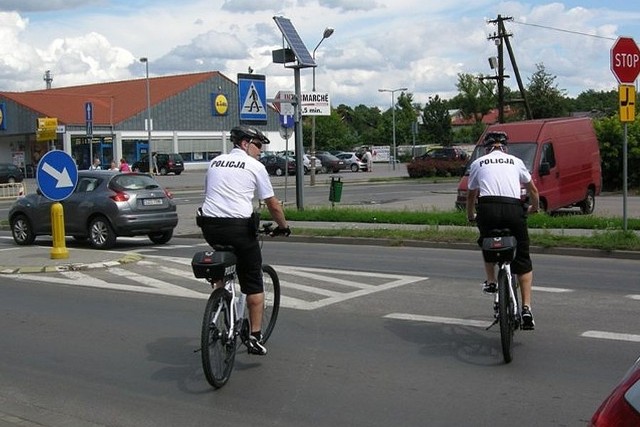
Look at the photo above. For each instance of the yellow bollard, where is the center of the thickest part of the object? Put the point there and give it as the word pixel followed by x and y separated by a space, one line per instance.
pixel 59 249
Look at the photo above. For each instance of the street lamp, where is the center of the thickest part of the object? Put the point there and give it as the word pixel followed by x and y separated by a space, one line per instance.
pixel 146 63
pixel 327 33
pixel 393 112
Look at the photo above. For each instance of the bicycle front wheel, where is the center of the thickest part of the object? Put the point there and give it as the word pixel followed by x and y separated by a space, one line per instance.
pixel 505 314
pixel 271 301
pixel 217 348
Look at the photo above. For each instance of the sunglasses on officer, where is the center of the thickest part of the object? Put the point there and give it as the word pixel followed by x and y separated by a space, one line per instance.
pixel 257 143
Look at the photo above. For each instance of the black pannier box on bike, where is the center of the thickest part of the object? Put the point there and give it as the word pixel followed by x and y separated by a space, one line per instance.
pixel 499 249
pixel 213 264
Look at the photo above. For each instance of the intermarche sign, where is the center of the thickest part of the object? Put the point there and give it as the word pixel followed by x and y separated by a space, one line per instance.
pixel 625 60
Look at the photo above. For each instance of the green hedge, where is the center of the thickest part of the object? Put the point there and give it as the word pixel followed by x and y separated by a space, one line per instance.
pixel 421 168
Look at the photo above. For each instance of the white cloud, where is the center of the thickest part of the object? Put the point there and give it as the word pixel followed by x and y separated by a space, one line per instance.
pixel 421 44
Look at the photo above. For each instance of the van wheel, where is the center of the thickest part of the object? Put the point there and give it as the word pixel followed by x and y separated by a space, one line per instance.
pixel 163 171
pixel 542 206
pixel 588 204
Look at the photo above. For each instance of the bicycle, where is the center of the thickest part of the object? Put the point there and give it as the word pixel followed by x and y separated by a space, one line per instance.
pixel 500 248
pixel 226 313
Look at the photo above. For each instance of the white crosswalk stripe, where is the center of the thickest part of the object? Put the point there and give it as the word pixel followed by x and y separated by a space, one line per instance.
pixel 302 288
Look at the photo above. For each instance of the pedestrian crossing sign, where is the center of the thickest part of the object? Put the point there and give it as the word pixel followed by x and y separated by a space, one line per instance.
pixel 252 96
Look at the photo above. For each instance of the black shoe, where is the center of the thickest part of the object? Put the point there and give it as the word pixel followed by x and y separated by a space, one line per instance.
pixel 489 288
pixel 254 346
pixel 527 319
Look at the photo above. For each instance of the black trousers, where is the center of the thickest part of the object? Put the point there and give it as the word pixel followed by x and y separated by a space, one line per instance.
pixel 242 236
pixel 502 212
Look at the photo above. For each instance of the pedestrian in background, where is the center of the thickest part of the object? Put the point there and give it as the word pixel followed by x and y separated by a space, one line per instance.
pixel 368 159
pixel 124 166
pixel 95 165
pixel 154 157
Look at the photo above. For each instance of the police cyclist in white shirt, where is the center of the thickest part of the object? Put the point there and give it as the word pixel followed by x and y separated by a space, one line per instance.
pixel 228 216
pixel 495 180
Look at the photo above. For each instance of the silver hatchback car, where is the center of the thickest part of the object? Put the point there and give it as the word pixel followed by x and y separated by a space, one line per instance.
pixel 103 206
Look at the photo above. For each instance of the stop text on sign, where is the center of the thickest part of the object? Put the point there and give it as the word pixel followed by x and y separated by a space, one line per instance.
pixel 626 60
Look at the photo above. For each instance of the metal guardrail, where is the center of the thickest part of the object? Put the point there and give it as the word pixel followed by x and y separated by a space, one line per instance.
pixel 12 190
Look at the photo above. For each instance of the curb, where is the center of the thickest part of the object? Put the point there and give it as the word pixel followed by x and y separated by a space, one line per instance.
pixel 578 252
pixel 128 258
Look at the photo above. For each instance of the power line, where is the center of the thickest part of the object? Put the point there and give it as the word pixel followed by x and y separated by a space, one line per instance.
pixel 564 31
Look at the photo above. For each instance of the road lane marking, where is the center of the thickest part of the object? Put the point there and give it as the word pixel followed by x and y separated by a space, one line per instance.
pixel 438 319
pixel 552 290
pixel 636 297
pixel 611 336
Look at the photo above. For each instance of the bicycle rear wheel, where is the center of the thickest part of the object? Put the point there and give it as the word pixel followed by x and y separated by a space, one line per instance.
pixel 217 349
pixel 271 300
pixel 506 315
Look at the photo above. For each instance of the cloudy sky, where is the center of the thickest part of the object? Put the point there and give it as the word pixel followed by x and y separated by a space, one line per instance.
pixel 418 44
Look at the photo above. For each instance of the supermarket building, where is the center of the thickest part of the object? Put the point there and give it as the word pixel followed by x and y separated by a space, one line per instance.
pixel 191 114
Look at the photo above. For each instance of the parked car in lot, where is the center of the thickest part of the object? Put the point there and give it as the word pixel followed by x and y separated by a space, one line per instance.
pixel 277 165
pixel 10 173
pixel 307 164
pixel 330 163
pixel 353 161
pixel 167 163
pixel 103 206
pixel 445 153
pixel 622 407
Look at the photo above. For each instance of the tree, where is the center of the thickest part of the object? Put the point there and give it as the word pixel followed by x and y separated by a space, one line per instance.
pixel 475 98
pixel 437 122
pixel 332 133
pixel 603 103
pixel 545 98
pixel 405 117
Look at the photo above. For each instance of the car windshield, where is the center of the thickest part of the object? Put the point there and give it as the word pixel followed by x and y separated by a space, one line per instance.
pixel 524 151
pixel 133 182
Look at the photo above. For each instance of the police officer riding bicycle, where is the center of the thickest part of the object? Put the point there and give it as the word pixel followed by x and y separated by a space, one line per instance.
pixel 495 179
pixel 228 218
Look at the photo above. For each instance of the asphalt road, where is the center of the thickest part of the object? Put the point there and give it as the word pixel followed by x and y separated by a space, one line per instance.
pixel 368 336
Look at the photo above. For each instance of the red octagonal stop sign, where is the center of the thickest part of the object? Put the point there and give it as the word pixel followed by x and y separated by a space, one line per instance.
pixel 625 60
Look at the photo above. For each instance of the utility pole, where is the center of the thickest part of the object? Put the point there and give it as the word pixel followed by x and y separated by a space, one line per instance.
pixel 501 38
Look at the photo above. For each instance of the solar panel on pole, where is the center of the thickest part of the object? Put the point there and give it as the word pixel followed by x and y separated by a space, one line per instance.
pixel 295 42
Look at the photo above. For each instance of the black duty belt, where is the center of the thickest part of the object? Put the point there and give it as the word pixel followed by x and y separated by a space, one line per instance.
pixel 209 220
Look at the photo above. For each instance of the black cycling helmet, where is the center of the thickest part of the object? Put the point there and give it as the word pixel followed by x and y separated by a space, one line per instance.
pixel 494 138
pixel 240 133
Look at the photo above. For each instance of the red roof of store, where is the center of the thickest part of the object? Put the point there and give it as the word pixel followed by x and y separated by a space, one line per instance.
pixel 112 102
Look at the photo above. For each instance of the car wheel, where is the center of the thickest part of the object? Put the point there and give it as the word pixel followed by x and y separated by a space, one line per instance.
pixel 178 172
pixel 278 172
pixel 22 231
pixel 161 237
pixel 11 180
pixel 588 204
pixel 101 234
pixel 354 167
pixel 306 170
pixel 324 169
pixel 163 171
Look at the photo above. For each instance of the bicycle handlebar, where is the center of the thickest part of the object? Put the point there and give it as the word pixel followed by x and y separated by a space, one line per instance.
pixel 267 228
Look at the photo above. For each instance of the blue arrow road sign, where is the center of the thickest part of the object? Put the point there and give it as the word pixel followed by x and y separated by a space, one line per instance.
pixel 286 121
pixel 88 110
pixel 57 175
